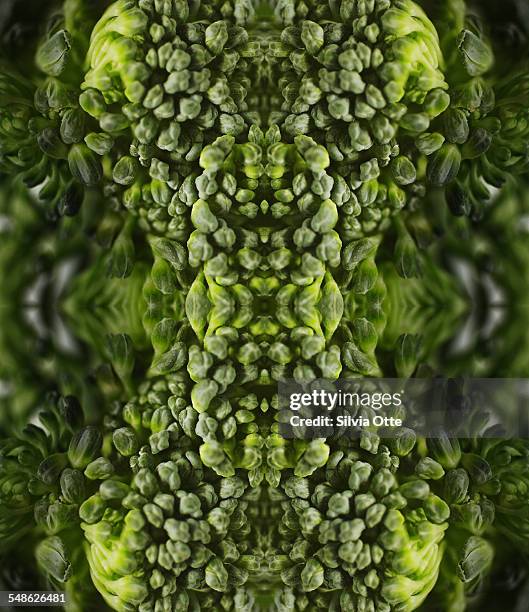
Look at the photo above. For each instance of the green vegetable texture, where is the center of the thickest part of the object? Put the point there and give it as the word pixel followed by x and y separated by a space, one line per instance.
pixel 201 200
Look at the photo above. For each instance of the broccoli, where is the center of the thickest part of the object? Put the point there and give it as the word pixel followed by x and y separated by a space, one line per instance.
pixel 202 200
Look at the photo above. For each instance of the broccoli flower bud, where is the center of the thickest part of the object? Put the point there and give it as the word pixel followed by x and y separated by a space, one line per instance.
pixel 44 144
pixel 163 532
pixel 359 529
pixel 45 471
pixel 161 84
pixel 370 84
pixel 509 460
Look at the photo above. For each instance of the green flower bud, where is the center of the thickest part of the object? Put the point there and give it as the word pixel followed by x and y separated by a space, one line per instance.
pixel 71 200
pixel 479 143
pixel 125 171
pixel 477 467
pixel 99 143
pixel 326 217
pixel 444 166
pixel 415 489
pixel 164 334
pixel 125 441
pixel 49 469
pixel 357 361
pixel 203 393
pixel 404 442
pixel 216 36
pixel 216 575
pixel 99 469
pixel 456 126
pixel 315 456
pixel 92 102
pixel 171 361
pixel 121 354
pixel 72 126
pixel 60 516
pixel 145 482
pixel 312 36
pixel 164 276
pixel 52 55
pixel 199 363
pixel 476 54
pixel 445 450
pixel 436 102
pixel 436 509
pixel 171 251
pixel 72 486
pixel 357 251
pixel 113 489
pixel 121 262
pixel 84 447
pixel 429 469
pixel 311 346
pixel 415 122
pixel 349 551
pixel 202 217
pixel 403 171
pixel 456 485
pixel 312 575
pixel 52 558
pixel 476 560
pixel 92 510
pixel 84 166
pixel 50 143
pixel 429 143
pixel 113 123
pixel 249 353
pixel 475 517
pixel 71 411
pixel 406 354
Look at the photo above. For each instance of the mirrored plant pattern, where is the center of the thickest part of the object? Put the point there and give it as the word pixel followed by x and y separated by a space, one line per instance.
pixel 201 198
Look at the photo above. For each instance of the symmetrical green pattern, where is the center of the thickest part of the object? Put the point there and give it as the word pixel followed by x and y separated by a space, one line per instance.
pixel 203 198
